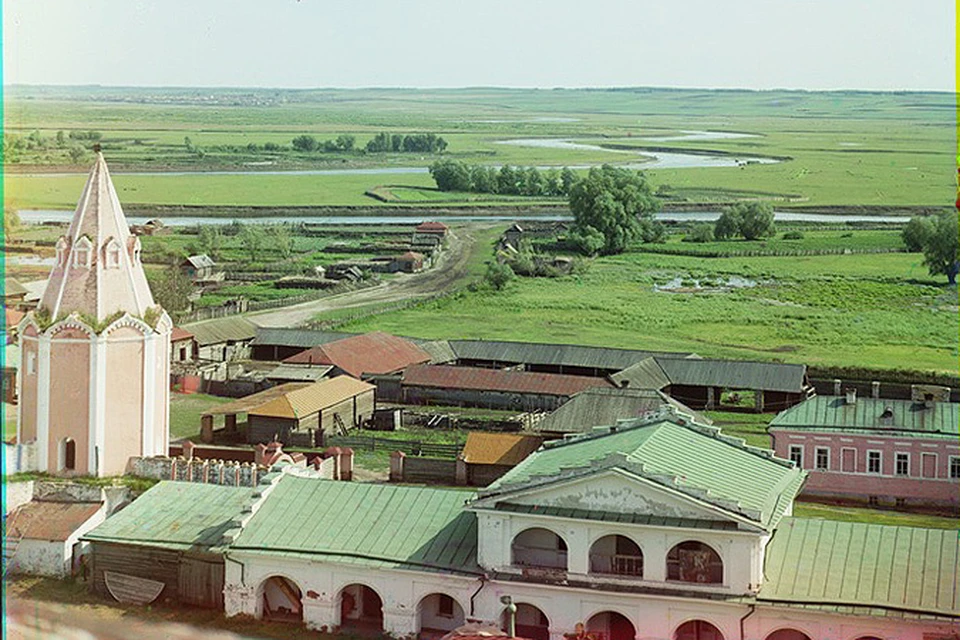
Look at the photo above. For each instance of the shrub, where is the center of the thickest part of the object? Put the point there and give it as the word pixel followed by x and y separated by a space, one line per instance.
pixel 702 232
pixel 793 235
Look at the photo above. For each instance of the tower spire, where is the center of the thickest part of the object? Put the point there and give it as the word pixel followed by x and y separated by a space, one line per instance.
pixel 97 271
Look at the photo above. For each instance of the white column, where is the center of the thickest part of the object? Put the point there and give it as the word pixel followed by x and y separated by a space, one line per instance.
pixel 319 612
pixel 399 622
pixel 147 442
pixel 43 402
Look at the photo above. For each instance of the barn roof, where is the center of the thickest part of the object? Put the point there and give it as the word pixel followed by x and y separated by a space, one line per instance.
pixel 245 404
pixel 304 338
pixel 551 354
pixel 51 521
pixel 312 398
pixel 480 379
pixel 232 329
pixel 200 261
pixel 12 288
pixel 735 374
pixel 878 416
pixel 824 562
pixel 374 353
pixel 694 459
pixel 646 374
pixel 431 225
pixel 299 372
pixel 499 448
pixel 176 515
pixel 604 407
pixel 179 333
pixel 439 350
pixel 438 534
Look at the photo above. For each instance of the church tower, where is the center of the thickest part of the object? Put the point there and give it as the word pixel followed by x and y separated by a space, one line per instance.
pixel 95 355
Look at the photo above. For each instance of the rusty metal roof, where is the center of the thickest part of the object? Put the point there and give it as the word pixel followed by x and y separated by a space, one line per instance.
pixel 373 353
pixel 824 562
pixel 312 398
pixel 480 379
pixel 53 521
pixel 180 334
pixel 878 416
pixel 499 448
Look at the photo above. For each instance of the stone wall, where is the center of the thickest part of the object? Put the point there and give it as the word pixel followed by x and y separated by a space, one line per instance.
pixel 237 474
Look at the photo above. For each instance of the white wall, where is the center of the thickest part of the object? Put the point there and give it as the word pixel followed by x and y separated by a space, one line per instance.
pixel 16 494
pixel 52 557
pixel 656 617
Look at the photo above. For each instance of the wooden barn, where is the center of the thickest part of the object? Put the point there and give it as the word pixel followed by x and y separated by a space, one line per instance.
pixel 491 388
pixel 487 456
pixel 167 544
pixel 301 416
pixel 371 353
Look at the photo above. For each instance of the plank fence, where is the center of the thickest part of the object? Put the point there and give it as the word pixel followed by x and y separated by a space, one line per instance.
pixel 409 447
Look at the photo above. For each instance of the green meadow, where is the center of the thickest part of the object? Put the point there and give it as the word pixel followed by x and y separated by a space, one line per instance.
pixel 838 148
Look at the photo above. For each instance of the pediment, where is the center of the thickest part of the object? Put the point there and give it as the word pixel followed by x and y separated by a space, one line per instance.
pixel 614 492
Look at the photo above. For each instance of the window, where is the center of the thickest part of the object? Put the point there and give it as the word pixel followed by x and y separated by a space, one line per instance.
pixel 901 502
pixel 31 363
pixel 694 561
pixel 112 253
pixel 81 253
pixel 954 467
pixel 823 458
pixel 874 460
pixel 873 501
pixel 796 454
pixel 902 464
pixel 445 606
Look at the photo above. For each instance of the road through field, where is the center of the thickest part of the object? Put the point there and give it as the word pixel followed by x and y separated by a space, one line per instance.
pixel 450 269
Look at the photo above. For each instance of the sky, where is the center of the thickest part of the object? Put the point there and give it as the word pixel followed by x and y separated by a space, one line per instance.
pixel 753 44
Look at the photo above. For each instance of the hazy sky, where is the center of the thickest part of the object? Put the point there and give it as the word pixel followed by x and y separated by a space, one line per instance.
pixel 761 44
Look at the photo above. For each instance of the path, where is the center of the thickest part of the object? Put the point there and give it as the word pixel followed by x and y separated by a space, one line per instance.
pixel 449 269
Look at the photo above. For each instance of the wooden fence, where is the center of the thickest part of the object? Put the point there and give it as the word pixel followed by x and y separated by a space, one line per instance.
pixel 410 447
pixel 756 253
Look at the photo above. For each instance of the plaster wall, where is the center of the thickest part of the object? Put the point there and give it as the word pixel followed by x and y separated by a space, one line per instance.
pixel 69 399
pixel 123 413
pixel 27 382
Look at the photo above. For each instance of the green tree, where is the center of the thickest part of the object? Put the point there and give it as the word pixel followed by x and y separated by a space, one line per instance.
pixel 941 253
pixel 11 223
pixel 281 239
pixel 483 179
pixel 61 139
pixel 612 201
pixel 588 242
pixel 567 178
pixel 756 220
pixel 508 181
pixel 171 289
pixel 451 175
pixel 251 237
pixel 305 143
pixel 76 153
pixel 498 275
pixel 209 240
pixel 345 142
pixel 702 232
pixel 916 233
pixel 728 225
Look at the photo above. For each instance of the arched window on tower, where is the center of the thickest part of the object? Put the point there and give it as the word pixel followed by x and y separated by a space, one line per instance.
pixel 111 253
pixel 62 250
pixel 67 455
pixel 82 253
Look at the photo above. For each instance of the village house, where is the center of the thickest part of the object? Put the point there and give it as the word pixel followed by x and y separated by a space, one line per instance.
pixel 491 388
pixel 431 228
pixel 42 537
pixel 370 353
pixel 302 416
pixel 901 453
pixel 201 269
pixel 183 346
pixel 223 339
pixel 488 456
pixel 409 262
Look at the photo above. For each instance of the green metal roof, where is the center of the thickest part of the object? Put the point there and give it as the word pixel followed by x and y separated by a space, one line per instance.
pixel 176 515
pixel 823 562
pixel 601 407
pixel 384 525
pixel 735 374
pixel 232 329
pixel 693 459
pixel 867 415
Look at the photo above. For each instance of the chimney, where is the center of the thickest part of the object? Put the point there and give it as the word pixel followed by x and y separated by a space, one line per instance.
pixel 875 389
pixel 851 393
pixel 836 386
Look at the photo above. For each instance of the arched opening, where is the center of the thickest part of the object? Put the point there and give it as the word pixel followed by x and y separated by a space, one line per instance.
pixel 67 455
pixel 531 622
pixel 361 608
pixel 788 634
pixel 438 614
pixel 697 630
pixel 282 600
pixel 616 555
pixel 540 548
pixel 869 638
pixel 610 625
pixel 693 561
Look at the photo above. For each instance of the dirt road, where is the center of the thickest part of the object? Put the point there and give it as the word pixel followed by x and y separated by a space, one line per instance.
pixel 449 269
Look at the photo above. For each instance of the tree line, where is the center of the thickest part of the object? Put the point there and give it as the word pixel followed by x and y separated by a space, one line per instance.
pixel 406 143
pixel 454 175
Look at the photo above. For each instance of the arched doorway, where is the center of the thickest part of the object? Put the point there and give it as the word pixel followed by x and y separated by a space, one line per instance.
pixel 67 455
pixel 361 608
pixel 540 548
pixel 610 625
pixel 616 555
pixel 282 600
pixel 788 634
pixel 531 622
pixel 438 614
pixel 869 638
pixel 693 561
pixel 697 630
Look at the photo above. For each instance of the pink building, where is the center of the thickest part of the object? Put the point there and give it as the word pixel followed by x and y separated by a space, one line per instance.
pixel 96 353
pixel 883 452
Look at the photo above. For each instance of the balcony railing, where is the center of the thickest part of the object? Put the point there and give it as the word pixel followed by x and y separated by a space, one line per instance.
pixel 617 565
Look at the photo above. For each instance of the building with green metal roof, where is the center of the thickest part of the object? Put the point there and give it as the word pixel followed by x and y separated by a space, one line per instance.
pixel 902 453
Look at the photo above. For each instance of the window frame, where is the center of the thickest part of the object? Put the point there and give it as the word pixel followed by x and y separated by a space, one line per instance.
pixel 953 467
pixel 816 458
pixel 879 458
pixel 898 457
pixel 795 454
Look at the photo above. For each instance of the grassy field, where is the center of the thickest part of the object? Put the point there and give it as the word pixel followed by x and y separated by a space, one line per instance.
pixel 842 148
pixel 185 412
pixel 872 516
pixel 871 310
